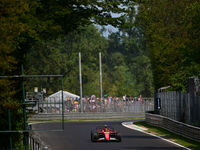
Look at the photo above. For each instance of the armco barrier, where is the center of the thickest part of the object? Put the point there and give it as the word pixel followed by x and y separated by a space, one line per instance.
pixel 35 143
pixel 85 116
pixel 176 127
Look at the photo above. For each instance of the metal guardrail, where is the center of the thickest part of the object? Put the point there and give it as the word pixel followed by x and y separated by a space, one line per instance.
pixel 35 143
pixel 174 126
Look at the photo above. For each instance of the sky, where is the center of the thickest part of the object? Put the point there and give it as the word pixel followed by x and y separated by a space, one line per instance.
pixel 109 27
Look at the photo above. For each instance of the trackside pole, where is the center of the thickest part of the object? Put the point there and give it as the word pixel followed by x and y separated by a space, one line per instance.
pixel 62 104
pixel 9 121
pixel 80 78
pixel 24 110
pixel 100 82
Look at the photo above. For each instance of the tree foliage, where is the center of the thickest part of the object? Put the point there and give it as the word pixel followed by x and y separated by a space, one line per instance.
pixel 128 48
pixel 124 71
pixel 24 24
pixel 166 25
pixel 61 56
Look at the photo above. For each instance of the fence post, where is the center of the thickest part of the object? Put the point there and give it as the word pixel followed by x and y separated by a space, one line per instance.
pixel 33 144
pixel 188 104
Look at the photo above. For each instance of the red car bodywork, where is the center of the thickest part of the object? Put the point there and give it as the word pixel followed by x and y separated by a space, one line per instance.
pixel 105 134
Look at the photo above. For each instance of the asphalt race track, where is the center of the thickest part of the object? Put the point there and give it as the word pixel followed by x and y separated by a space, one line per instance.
pixel 76 136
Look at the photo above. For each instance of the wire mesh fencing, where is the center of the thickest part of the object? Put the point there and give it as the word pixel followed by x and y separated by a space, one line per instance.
pixel 73 105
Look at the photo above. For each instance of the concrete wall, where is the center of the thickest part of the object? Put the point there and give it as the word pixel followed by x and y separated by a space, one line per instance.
pixel 85 116
pixel 174 126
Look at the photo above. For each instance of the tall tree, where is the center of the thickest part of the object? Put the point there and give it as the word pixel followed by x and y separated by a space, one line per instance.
pixel 11 28
pixel 136 66
pixel 24 23
pixel 189 52
pixel 165 37
pixel 61 57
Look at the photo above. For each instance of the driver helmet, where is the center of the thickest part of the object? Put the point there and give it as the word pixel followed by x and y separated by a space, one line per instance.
pixel 106 129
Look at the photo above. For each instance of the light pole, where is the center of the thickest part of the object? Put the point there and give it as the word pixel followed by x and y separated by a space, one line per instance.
pixel 100 82
pixel 80 78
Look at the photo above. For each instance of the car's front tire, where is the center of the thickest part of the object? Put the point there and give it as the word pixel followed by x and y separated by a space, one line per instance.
pixel 93 136
pixel 118 137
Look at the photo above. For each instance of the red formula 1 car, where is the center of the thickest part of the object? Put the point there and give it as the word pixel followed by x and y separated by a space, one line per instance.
pixel 105 133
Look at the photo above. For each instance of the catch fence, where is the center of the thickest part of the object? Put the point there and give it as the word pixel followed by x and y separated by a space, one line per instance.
pixel 72 105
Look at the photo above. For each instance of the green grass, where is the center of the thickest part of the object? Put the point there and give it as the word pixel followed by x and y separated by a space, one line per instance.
pixel 169 135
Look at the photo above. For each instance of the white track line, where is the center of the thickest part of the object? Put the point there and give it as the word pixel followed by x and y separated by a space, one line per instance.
pixel 130 126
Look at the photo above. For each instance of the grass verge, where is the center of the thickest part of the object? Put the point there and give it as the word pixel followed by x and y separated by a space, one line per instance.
pixel 169 135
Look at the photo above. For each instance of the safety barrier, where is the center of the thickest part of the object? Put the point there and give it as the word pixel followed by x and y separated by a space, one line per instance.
pixel 174 126
pixel 35 143
pixel 85 116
